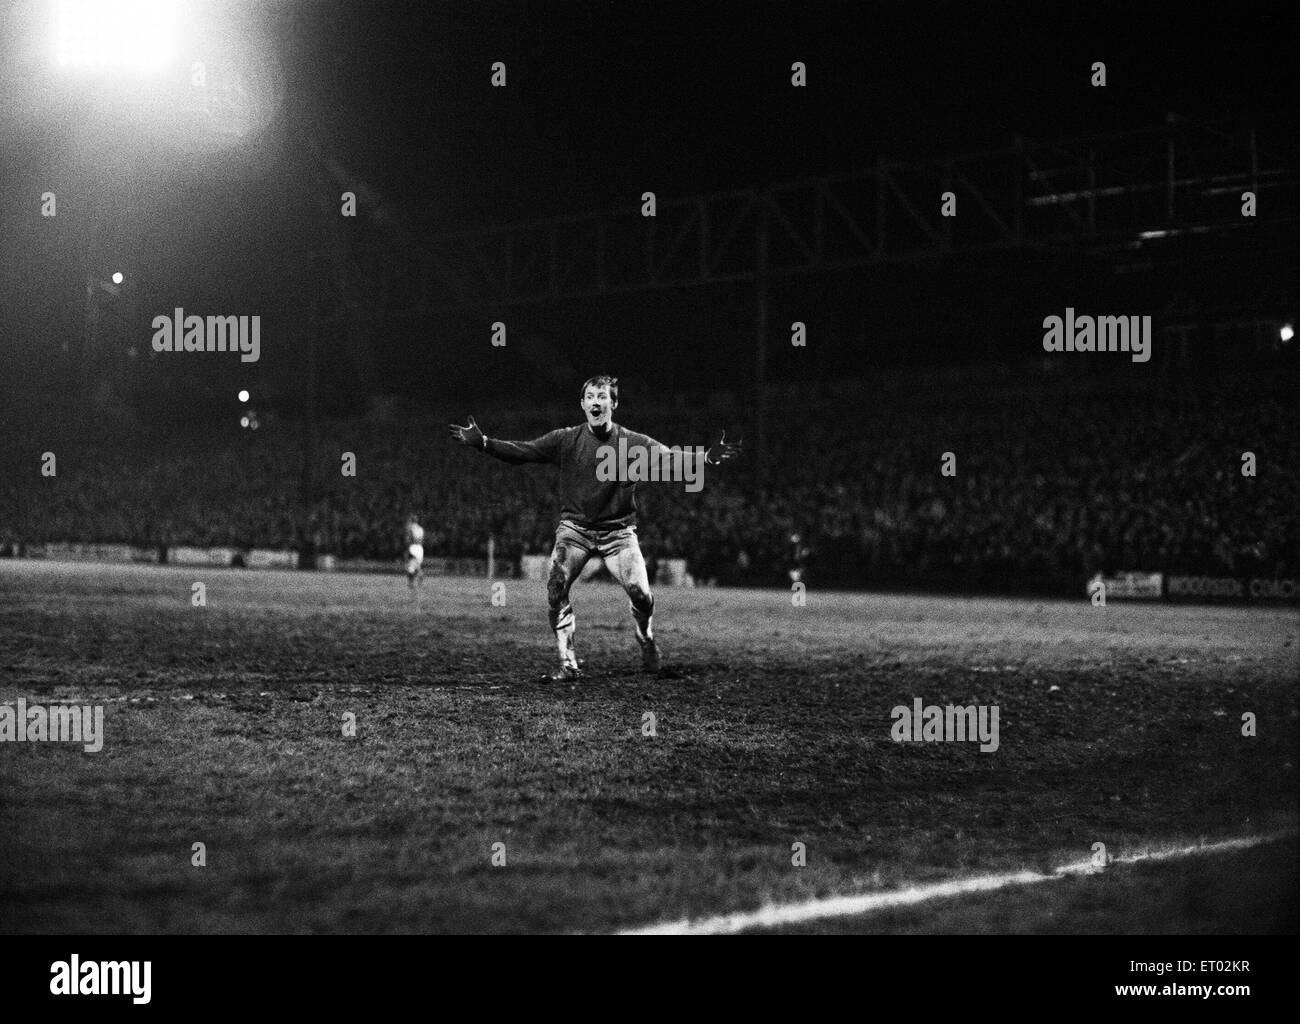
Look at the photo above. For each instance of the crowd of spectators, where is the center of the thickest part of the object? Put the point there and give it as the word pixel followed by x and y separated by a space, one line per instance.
pixel 1041 490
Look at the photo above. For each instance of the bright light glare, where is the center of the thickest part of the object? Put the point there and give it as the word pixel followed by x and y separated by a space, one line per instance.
pixel 132 35
pixel 243 396
pixel 243 421
pixel 1287 332
pixel 117 277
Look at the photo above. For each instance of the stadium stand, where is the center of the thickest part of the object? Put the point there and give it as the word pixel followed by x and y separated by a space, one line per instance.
pixel 1049 488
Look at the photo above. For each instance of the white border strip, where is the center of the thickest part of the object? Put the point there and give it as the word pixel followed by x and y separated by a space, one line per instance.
pixel 867 903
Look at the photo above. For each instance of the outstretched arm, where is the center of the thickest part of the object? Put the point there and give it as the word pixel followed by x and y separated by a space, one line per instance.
pixel 541 450
pixel 714 455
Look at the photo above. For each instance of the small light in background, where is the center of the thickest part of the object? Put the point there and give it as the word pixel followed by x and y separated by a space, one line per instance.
pixel 117 277
pixel 1287 332
pixel 243 396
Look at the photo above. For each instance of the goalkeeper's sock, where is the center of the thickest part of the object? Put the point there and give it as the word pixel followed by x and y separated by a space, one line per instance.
pixel 564 643
pixel 643 621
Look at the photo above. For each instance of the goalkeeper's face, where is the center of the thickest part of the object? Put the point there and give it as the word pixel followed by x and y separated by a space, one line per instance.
pixel 599 406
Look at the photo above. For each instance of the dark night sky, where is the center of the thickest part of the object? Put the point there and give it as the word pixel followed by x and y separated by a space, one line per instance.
pixel 603 102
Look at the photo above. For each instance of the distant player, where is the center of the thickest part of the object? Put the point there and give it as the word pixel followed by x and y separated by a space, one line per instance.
pixel 413 538
pixel 597 514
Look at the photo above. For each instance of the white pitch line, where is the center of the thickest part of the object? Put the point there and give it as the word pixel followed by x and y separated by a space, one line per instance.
pixel 849 906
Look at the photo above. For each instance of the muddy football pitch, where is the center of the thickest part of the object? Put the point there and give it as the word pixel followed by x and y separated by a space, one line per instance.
pixel 353 759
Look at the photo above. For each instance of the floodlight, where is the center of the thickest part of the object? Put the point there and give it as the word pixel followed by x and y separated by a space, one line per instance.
pixel 134 36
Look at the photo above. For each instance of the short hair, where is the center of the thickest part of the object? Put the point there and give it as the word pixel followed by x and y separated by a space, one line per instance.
pixel 603 381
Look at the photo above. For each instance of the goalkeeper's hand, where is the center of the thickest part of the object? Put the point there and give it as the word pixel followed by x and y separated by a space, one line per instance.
pixel 469 435
pixel 722 451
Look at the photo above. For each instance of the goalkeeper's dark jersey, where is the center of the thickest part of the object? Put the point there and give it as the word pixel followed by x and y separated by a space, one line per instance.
pixel 590 503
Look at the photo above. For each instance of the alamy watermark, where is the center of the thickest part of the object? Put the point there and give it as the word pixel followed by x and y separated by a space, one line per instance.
pixel 1098 334
pixel 181 333
pixel 72 977
pixel 57 723
pixel 641 464
pixel 931 723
